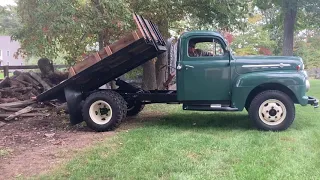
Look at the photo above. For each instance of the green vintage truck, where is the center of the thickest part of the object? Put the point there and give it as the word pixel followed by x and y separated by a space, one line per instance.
pixel 209 78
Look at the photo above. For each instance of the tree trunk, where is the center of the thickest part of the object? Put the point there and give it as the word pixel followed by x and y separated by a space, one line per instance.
pixel 290 11
pixel 149 76
pixel 100 40
pixel 162 59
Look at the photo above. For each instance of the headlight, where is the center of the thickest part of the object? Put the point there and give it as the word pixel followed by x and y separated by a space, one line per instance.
pixel 307 85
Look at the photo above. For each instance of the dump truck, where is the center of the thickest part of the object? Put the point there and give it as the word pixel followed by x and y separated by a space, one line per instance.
pixel 208 78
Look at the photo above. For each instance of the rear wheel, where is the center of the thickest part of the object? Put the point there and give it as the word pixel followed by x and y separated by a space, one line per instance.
pixel 104 110
pixel 272 111
pixel 134 108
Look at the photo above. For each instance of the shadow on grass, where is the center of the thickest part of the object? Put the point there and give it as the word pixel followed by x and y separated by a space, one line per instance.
pixel 194 120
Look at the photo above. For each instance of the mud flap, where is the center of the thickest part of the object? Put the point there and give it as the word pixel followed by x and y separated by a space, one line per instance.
pixel 74 99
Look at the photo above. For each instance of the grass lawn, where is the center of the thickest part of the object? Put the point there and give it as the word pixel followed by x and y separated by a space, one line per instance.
pixel 204 145
pixel 2 75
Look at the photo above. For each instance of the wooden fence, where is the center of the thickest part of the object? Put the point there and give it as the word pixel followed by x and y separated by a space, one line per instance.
pixel 7 68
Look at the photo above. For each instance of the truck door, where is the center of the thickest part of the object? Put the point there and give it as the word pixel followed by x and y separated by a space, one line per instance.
pixel 203 70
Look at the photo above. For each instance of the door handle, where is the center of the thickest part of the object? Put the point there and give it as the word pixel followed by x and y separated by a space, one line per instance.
pixel 188 66
pixel 179 67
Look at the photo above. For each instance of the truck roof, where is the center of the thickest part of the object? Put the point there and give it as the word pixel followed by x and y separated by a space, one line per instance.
pixel 202 32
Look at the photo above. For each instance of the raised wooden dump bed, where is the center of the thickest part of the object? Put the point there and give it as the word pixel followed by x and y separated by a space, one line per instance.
pixel 111 62
pixel 105 52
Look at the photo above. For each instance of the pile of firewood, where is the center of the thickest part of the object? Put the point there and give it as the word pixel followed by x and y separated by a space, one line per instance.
pixel 27 85
pixel 18 92
pixel 18 96
pixel 22 86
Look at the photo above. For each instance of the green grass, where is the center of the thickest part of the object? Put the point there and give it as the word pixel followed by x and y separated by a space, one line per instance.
pixel 2 75
pixel 204 145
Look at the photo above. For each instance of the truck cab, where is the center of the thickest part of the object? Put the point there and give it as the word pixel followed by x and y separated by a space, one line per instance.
pixel 210 77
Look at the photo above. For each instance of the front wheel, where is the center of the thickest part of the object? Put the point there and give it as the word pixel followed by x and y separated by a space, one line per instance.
pixel 272 110
pixel 104 110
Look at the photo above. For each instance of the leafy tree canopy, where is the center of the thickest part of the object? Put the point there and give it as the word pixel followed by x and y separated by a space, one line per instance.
pixel 49 28
pixel 255 39
pixel 307 47
pixel 8 19
pixel 285 16
pixel 192 14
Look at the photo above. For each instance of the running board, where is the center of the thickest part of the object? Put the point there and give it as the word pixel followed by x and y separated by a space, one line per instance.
pixel 207 107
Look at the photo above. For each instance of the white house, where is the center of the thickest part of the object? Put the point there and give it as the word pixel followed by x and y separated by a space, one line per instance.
pixel 7 50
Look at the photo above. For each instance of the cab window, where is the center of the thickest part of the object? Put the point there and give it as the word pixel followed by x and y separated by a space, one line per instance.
pixel 201 47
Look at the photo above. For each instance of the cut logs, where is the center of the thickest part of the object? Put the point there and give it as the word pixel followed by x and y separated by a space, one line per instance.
pixel 19 113
pixel 28 108
pixel 17 104
pixel 21 86
pixel 42 82
pixel 18 92
pixel 27 85
pixel 26 115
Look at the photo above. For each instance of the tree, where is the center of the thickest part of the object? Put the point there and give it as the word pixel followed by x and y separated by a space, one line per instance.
pixel 255 39
pixel 69 27
pixel 293 15
pixel 306 47
pixel 8 20
pixel 290 8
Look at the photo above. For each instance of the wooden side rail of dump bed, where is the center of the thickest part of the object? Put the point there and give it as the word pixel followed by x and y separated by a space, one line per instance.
pixel 105 52
pixel 112 61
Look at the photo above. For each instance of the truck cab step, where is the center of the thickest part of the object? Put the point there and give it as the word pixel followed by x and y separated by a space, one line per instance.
pixel 208 107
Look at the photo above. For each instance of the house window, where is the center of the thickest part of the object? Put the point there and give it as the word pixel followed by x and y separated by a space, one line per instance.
pixel 8 53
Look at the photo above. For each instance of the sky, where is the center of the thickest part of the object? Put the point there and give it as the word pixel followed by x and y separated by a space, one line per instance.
pixel 6 2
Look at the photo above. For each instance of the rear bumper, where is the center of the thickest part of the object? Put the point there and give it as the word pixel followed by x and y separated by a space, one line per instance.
pixel 313 102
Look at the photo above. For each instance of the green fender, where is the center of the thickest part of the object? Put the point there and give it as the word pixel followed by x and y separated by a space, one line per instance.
pixel 244 84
